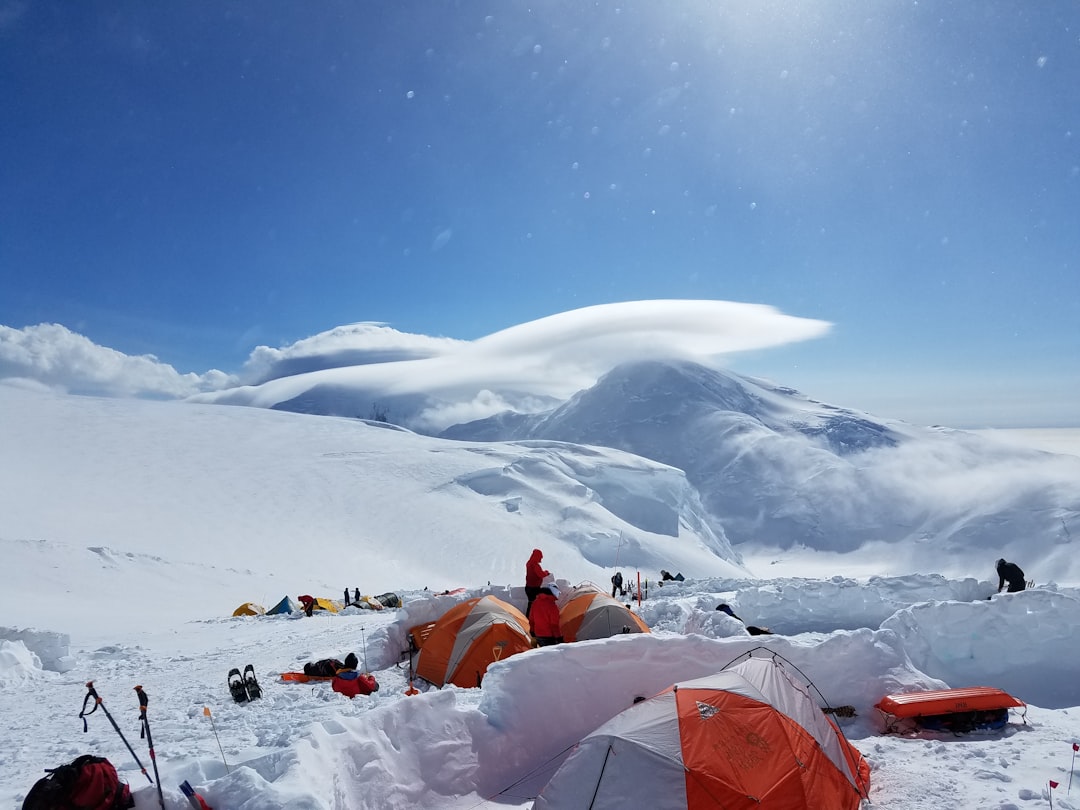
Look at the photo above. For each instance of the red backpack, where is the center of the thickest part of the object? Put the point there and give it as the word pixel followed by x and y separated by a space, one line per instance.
pixel 86 783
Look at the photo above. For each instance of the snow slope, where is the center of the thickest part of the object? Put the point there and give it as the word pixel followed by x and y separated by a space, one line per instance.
pixel 772 467
pixel 775 468
pixel 293 504
pixel 130 530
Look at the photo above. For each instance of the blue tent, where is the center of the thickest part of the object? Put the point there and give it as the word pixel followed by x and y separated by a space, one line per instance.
pixel 286 605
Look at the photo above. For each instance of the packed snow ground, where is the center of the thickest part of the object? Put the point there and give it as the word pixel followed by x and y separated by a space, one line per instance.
pixel 130 530
pixel 305 746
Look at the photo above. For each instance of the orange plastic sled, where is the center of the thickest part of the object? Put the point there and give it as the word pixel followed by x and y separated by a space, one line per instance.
pixel 302 677
pixel 970 701
pixel 947 701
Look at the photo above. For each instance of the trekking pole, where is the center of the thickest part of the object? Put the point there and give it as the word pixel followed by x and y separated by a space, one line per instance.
pixel 143 701
pixel 91 692
pixel 206 711
pixel 363 644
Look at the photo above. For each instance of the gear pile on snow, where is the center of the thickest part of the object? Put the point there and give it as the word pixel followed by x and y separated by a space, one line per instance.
pixel 86 783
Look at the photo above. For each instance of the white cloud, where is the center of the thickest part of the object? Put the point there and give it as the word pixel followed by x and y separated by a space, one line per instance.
pixel 552 357
pixel 549 357
pixel 52 355
pixel 354 344
pixel 582 344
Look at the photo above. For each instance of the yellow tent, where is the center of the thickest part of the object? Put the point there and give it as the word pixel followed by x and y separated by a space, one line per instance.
pixel 249 609
pixel 327 604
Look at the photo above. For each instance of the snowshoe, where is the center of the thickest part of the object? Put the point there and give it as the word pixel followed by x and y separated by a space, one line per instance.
pixel 253 689
pixel 236 686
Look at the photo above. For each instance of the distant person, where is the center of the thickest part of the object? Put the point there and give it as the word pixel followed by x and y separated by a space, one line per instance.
pixel 617 585
pixel 544 617
pixel 308 603
pixel 347 600
pixel 666 576
pixel 751 629
pixel 1011 573
pixel 534 578
pixel 356 597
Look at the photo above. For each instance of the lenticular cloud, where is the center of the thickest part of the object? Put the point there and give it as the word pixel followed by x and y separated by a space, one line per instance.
pixel 552 357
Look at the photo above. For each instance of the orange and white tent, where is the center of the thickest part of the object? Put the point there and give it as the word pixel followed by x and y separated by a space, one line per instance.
pixel 747 738
pixel 586 612
pixel 470 637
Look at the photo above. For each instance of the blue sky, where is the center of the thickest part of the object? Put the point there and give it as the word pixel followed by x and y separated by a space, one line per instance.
pixel 193 180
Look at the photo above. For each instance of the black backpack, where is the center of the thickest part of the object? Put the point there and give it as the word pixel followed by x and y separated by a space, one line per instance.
pixel 86 783
pixel 326 668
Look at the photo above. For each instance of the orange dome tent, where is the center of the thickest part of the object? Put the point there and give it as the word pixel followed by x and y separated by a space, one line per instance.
pixel 747 738
pixel 586 612
pixel 468 638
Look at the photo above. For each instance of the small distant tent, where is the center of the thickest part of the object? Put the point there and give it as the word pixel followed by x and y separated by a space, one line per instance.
pixel 390 600
pixel 468 638
pixel 286 605
pixel 586 613
pixel 747 736
pixel 249 609
pixel 368 603
pixel 327 604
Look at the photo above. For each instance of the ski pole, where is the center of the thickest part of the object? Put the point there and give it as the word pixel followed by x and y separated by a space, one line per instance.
pixel 206 711
pixel 143 701
pixel 363 643
pixel 91 692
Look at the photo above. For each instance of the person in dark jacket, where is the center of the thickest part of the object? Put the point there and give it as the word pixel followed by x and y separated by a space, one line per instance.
pixel 534 578
pixel 544 619
pixel 326 667
pixel 617 588
pixel 1011 573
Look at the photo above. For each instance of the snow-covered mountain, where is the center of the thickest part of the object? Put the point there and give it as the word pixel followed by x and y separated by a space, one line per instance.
pixel 772 467
pixel 776 468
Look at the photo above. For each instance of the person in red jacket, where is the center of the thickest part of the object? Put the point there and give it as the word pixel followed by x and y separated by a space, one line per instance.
pixel 544 619
pixel 351 683
pixel 534 578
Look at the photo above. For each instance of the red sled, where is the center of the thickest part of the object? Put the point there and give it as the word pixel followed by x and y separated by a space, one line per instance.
pixel 956 710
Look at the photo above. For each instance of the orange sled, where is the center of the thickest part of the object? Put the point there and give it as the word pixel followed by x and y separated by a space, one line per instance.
pixel 950 709
pixel 302 677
